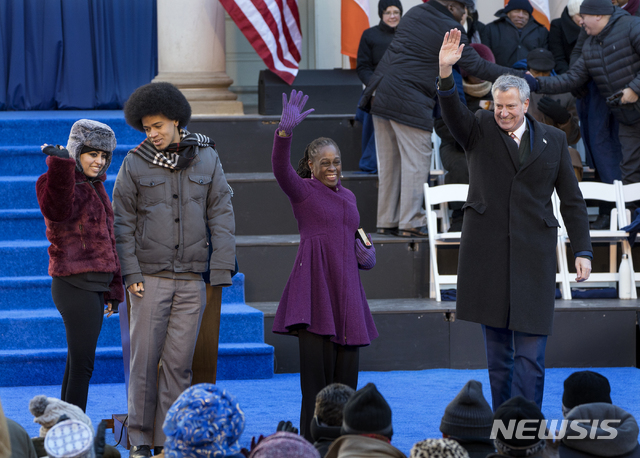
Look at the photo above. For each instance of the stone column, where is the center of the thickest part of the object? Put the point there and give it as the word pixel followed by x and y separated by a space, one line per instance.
pixel 191 54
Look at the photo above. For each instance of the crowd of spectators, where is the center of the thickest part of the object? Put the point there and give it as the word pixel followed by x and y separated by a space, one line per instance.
pixel 208 421
pixel 585 81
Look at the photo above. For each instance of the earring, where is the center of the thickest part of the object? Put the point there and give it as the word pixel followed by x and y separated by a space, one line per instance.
pixel 312 176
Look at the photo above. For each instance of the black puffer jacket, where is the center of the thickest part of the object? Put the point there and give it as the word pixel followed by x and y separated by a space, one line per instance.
pixel 373 44
pixel 404 81
pixel 612 59
pixel 562 38
pixel 510 44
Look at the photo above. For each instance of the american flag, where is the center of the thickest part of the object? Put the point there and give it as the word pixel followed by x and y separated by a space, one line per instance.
pixel 273 29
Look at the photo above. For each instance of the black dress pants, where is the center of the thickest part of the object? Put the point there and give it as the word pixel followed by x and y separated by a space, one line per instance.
pixel 82 313
pixel 322 363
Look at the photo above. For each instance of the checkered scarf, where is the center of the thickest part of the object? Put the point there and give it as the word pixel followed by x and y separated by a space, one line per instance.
pixel 177 156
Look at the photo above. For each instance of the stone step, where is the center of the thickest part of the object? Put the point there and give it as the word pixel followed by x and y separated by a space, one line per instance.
pixel 260 206
pixel 236 361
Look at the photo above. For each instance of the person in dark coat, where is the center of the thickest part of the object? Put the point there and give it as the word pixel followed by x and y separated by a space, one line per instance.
pixel 403 110
pixel 323 302
pixel 563 35
pixel 514 33
pixel 630 6
pixel 373 44
pixel 507 260
pixel 83 260
pixel 327 416
pixel 558 110
pixel 611 56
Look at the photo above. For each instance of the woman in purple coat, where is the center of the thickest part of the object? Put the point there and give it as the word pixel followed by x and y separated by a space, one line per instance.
pixel 323 302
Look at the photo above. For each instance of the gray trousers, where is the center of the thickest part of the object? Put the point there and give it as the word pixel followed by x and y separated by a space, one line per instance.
pixel 404 159
pixel 164 328
pixel 630 141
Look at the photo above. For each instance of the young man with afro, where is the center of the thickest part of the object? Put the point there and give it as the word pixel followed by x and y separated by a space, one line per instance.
pixel 171 203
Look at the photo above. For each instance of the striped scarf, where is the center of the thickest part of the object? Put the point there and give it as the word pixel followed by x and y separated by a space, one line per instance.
pixel 177 156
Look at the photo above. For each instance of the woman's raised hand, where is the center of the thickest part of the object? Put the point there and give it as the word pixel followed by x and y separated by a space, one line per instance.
pixel 292 114
pixel 57 150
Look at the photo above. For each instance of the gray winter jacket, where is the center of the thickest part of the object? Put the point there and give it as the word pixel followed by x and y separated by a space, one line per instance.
pixel 162 217
pixel 612 59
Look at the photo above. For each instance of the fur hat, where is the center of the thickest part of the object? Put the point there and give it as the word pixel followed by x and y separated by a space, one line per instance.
pixel 585 387
pixel 440 448
pixel 47 411
pixel 367 412
pixel 518 5
pixel 204 421
pixel 541 59
pixel 384 4
pixel 93 135
pixel 597 7
pixel 469 414
pixel 518 408
pixel 573 7
pixel 284 444
pixel 69 439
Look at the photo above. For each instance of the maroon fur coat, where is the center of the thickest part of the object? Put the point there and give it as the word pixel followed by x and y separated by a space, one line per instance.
pixel 79 222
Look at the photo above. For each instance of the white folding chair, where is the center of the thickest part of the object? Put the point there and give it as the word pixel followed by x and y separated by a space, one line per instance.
pixel 628 193
pixel 562 276
pixel 613 235
pixel 438 235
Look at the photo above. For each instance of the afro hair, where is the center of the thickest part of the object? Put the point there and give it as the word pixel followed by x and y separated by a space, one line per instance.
pixel 154 99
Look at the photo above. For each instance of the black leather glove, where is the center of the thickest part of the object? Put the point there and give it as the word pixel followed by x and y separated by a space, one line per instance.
pixel 57 151
pixel 554 110
pixel 580 91
pixel 287 426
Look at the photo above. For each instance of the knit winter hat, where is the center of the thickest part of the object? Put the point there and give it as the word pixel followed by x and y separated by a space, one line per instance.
pixel 204 421
pixel 384 4
pixel 597 7
pixel 93 134
pixel 469 414
pixel 519 5
pixel 440 448
pixel 47 412
pixel 69 439
pixel 518 408
pixel 585 387
pixel 573 7
pixel 367 412
pixel 541 59
pixel 284 444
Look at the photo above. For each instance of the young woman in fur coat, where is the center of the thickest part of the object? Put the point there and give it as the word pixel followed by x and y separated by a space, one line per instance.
pixel 83 261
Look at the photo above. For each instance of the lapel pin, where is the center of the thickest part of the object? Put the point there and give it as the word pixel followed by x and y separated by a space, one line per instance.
pixel 544 140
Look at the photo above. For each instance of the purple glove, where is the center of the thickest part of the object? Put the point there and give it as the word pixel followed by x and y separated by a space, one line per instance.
pixel 292 111
pixel 366 256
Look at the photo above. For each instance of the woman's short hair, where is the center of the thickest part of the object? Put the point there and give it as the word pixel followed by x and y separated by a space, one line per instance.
pixel 506 82
pixel 154 99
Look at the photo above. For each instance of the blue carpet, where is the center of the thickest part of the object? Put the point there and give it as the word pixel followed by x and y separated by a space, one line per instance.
pixel 417 399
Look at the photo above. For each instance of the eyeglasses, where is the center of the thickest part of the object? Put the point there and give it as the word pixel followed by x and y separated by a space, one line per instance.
pixel 391 13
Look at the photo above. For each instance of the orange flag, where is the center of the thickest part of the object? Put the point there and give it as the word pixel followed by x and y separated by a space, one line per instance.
pixel 355 20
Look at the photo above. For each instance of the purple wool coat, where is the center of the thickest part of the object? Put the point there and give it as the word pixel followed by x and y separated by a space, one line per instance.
pixel 324 291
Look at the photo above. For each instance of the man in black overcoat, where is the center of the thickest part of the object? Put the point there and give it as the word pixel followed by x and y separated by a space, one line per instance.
pixel 507 261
